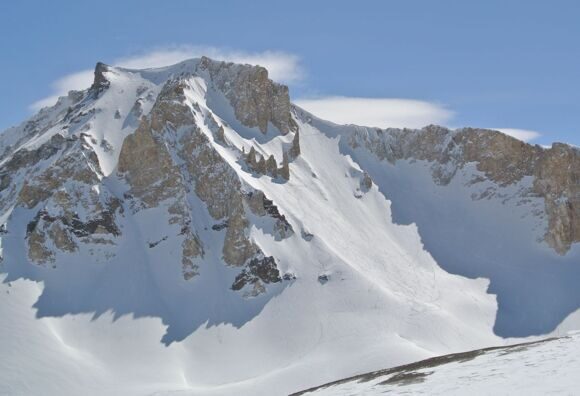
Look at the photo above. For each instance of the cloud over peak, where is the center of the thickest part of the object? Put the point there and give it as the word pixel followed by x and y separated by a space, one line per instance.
pixel 282 67
pixel 285 67
pixel 377 112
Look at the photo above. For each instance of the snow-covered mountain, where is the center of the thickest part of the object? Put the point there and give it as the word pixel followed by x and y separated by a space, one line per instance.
pixel 188 229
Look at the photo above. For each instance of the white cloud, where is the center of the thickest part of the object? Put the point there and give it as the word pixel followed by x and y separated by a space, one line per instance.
pixel 285 67
pixel 282 66
pixel 377 112
pixel 521 134
pixel 60 87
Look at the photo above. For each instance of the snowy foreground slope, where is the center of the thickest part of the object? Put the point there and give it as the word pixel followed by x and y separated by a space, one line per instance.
pixel 187 229
pixel 544 367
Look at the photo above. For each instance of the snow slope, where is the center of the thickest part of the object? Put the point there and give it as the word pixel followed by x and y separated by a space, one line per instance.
pixel 475 228
pixel 364 292
pixel 538 368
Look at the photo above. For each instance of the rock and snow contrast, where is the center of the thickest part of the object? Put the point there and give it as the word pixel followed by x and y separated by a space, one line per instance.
pixel 543 367
pixel 189 230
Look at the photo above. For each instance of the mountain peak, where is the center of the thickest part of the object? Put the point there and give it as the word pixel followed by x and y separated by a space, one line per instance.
pixel 100 81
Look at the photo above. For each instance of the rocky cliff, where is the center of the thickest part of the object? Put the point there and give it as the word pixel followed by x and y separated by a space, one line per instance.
pixel 501 158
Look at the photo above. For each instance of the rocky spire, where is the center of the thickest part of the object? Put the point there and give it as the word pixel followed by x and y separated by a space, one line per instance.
pixel 285 169
pixel 220 136
pixel 261 165
pixel 295 149
pixel 271 166
pixel 100 82
pixel 251 157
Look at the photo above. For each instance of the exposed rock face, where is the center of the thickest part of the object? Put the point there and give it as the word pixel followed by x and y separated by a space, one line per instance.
pixel 69 210
pixel 258 164
pixel 256 99
pixel 67 228
pixel 170 157
pixel 100 82
pixel 260 270
pixel 557 179
pixel 503 159
pixel 295 149
pixel 284 171
pixel 148 167
pixel 21 162
pixel 154 178
pixel 39 124
pixel 26 158
pixel 260 205
pixel 69 167
pixel 366 182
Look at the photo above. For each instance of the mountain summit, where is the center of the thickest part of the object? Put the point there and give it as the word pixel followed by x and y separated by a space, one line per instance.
pixel 266 248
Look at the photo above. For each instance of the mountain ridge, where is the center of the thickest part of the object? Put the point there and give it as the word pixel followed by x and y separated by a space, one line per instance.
pixel 414 374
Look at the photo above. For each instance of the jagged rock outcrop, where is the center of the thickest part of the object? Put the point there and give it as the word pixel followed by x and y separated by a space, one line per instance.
pixel 220 134
pixel 557 179
pixel 148 168
pixel 69 210
pixel 260 205
pixel 259 271
pixel 100 81
pixel 20 163
pixel 66 109
pixel 259 165
pixel 169 157
pixel 501 158
pixel 256 99
pixel 295 148
pixel 284 171
pixel 154 178
pixel 366 182
pixel 272 166
pixel 66 228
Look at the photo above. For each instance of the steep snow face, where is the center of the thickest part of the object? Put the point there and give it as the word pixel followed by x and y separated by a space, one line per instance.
pixel 477 220
pixel 194 206
pixel 537 368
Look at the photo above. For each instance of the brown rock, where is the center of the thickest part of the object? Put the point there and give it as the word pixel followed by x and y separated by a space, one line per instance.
pixel 503 159
pixel 256 99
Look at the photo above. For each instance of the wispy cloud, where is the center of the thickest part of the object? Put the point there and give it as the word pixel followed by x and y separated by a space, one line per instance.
pixel 521 134
pixel 285 67
pixel 377 112
pixel 282 66
pixel 60 87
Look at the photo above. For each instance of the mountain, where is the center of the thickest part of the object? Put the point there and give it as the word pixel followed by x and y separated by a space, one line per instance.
pixel 515 369
pixel 188 229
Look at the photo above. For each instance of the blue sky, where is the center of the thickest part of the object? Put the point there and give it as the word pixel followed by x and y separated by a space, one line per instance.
pixel 496 64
